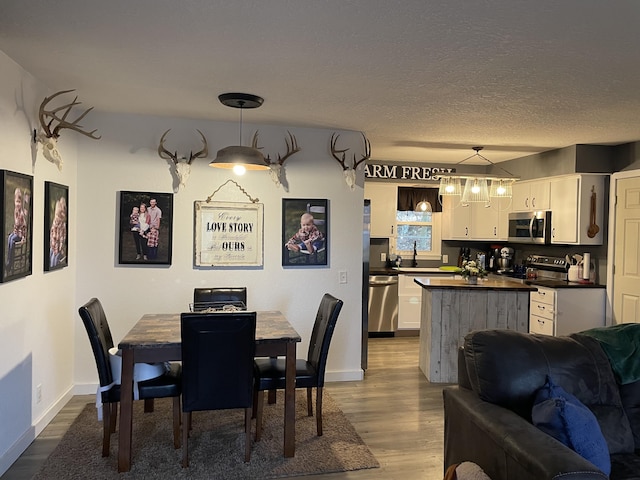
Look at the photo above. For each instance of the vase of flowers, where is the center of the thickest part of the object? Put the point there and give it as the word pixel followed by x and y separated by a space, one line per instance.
pixel 471 272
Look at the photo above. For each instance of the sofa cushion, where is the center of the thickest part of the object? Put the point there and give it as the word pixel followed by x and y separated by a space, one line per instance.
pixel 565 418
pixel 630 394
pixel 507 367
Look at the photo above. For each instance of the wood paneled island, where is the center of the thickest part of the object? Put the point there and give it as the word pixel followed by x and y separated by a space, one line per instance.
pixel 451 308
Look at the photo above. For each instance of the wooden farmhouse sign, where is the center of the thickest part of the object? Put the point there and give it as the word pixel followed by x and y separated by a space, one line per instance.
pixel 228 234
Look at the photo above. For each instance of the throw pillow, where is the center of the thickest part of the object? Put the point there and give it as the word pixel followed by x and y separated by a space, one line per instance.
pixel 564 417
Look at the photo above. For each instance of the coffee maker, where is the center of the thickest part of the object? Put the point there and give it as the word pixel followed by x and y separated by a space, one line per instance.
pixel 494 255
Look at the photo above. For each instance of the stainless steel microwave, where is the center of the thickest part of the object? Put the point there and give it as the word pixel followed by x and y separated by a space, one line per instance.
pixel 530 227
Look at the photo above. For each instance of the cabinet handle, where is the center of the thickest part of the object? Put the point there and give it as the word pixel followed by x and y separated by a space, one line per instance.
pixel 526 202
pixel 540 307
pixel 495 231
pixel 542 293
pixel 533 202
pixel 466 231
pixel 541 322
pixel 391 229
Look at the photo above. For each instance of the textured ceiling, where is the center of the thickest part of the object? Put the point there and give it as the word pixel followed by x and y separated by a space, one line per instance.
pixel 424 80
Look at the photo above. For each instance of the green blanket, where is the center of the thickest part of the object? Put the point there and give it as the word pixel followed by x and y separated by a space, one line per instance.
pixel 621 343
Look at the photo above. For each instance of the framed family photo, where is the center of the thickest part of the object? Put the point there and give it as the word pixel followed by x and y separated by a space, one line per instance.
pixel 305 232
pixel 145 228
pixel 17 224
pixel 228 234
pixel 56 240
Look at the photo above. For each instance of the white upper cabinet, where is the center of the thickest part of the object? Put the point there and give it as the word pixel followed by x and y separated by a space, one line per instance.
pixel 476 221
pixel 384 202
pixel 577 203
pixel 531 195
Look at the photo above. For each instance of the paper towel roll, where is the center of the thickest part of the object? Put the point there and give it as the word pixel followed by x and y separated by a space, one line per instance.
pixel 586 265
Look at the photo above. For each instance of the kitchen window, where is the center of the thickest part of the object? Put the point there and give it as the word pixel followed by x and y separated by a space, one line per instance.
pixel 421 229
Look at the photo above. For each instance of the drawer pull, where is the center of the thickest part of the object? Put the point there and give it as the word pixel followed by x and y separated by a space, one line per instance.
pixel 540 307
pixel 541 322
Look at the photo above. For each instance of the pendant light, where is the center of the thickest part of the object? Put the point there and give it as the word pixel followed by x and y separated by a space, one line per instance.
pixel 423 207
pixel 238 157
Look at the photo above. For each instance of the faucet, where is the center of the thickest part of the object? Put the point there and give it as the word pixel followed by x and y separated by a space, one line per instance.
pixel 414 262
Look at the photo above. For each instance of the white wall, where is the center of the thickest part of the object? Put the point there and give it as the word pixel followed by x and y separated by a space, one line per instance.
pixel 38 312
pixel 42 340
pixel 126 159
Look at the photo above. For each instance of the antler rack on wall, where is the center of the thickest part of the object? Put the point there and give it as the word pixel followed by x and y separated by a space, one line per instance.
pixel 253 200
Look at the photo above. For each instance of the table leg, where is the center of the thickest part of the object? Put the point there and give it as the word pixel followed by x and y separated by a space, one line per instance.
pixel 290 401
pixel 126 412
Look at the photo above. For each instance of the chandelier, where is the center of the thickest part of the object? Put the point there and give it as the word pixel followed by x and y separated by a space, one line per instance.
pixel 477 188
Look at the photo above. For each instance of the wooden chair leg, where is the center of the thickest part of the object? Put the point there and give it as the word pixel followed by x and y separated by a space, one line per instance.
pixel 176 422
pixel 106 429
pixel 114 416
pixel 186 421
pixel 319 410
pixel 259 407
pixel 272 396
pixel 148 405
pixel 309 402
pixel 247 434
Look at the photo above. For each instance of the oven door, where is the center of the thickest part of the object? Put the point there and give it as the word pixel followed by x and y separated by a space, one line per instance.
pixel 530 227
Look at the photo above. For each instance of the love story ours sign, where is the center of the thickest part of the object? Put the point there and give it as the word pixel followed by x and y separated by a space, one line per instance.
pixel 228 234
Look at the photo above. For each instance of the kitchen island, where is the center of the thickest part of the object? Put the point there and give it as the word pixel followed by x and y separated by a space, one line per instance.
pixel 451 308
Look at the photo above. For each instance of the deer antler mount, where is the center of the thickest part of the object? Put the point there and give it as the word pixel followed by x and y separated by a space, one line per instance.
pixel 56 119
pixel 340 155
pixel 182 164
pixel 276 168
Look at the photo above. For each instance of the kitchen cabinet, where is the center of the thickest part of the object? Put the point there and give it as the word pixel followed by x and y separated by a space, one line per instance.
pixel 384 203
pixel 410 299
pixel 562 311
pixel 476 221
pixel 531 195
pixel 571 208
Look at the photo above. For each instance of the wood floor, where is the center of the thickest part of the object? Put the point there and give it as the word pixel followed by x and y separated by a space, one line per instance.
pixel 395 410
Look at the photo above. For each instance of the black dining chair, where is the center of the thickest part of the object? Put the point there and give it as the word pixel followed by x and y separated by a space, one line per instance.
pixel 166 385
pixel 204 298
pixel 310 372
pixel 217 367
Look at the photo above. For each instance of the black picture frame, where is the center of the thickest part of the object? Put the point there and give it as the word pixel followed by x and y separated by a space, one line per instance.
pixel 295 251
pixel 56 229
pixel 136 247
pixel 17 225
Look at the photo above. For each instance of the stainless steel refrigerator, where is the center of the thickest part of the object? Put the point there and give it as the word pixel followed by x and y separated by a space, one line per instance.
pixel 366 227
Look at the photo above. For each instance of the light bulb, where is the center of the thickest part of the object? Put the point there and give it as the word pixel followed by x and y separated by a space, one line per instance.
pixel 501 190
pixel 239 169
pixel 448 188
pixel 475 188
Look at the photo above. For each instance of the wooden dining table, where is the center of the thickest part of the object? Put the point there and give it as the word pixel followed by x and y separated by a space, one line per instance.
pixel 156 338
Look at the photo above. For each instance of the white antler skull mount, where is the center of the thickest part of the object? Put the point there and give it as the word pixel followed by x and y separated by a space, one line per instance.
pixel 182 165
pixel 54 120
pixel 349 171
pixel 276 169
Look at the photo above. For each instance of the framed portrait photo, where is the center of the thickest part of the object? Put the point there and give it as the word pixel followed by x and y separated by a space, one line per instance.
pixel 305 232
pixel 56 239
pixel 17 223
pixel 145 228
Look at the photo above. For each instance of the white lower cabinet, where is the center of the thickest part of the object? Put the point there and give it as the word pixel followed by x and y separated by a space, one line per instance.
pixel 410 300
pixel 562 311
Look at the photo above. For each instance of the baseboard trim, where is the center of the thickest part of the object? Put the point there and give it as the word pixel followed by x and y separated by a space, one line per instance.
pixel 19 447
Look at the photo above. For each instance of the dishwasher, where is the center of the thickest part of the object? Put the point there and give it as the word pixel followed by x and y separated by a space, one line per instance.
pixel 383 305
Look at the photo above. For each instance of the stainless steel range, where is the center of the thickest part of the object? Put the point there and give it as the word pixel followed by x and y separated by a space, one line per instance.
pixel 541 270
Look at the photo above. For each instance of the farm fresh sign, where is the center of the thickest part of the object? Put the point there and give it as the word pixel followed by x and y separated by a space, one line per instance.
pixel 405 172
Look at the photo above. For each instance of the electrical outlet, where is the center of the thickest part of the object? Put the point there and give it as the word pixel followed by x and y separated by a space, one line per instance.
pixel 445 258
pixel 343 276
pixel 383 257
pixel 39 393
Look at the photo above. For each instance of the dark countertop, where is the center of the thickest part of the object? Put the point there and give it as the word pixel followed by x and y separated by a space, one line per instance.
pixel 483 284
pixel 408 271
pixel 562 284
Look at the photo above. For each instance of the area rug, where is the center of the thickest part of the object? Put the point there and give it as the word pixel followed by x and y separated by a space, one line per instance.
pixel 216 446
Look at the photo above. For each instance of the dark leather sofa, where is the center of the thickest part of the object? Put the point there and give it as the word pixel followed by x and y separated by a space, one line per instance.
pixel 488 414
